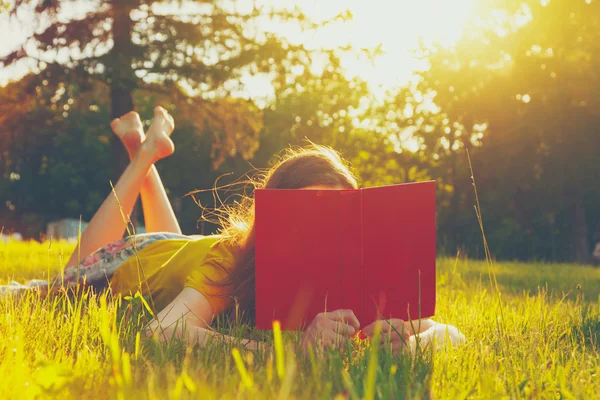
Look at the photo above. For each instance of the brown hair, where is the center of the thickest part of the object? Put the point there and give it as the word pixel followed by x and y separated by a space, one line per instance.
pixel 298 168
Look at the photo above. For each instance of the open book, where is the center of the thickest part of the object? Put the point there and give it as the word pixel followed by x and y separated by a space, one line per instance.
pixel 369 250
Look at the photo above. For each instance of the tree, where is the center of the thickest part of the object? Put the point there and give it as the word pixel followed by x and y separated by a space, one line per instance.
pixel 53 154
pixel 198 52
pixel 517 91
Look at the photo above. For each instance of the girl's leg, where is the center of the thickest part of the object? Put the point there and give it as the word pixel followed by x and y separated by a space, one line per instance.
pixel 107 225
pixel 158 213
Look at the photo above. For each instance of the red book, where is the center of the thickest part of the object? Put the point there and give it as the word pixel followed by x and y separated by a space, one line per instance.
pixel 369 250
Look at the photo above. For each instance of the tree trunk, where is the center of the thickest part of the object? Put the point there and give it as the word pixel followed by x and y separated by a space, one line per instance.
pixel 122 81
pixel 121 103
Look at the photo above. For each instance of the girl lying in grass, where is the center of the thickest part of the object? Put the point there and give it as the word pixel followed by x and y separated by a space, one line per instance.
pixel 192 279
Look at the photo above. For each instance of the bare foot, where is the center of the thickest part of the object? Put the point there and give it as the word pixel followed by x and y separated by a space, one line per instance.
pixel 130 130
pixel 158 143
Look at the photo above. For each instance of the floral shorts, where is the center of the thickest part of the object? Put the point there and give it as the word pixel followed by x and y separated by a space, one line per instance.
pixel 97 268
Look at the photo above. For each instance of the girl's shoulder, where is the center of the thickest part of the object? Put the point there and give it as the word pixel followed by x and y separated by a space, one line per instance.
pixel 216 247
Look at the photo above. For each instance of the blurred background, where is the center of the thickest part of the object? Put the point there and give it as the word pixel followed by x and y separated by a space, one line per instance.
pixel 402 88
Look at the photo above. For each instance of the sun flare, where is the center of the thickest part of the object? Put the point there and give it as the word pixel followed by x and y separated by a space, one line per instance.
pixel 395 26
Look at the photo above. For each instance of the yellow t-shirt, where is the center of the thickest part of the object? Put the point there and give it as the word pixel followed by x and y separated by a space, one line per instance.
pixel 165 267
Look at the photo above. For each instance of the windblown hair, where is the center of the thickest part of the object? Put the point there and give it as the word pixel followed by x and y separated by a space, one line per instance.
pixel 298 168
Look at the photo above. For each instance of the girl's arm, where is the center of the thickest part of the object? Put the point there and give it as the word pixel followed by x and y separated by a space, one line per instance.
pixel 188 318
pixel 417 326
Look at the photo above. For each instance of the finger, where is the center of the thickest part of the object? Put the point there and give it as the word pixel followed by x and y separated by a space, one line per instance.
pixel 392 325
pixel 395 343
pixel 341 328
pixel 398 327
pixel 330 338
pixel 321 339
pixel 418 325
pixel 369 330
pixel 393 337
pixel 344 316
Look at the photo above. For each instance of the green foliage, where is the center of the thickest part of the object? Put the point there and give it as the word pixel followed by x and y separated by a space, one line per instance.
pixel 515 91
pixel 73 145
pixel 195 53
pixel 191 57
pixel 54 156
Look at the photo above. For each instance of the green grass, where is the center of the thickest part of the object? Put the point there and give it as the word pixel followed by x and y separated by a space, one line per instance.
pixel 537 337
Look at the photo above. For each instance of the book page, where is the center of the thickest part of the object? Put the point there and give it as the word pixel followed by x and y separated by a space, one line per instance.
pixel 399 250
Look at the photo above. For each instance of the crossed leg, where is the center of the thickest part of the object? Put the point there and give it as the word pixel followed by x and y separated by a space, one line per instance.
pixel 107 224
pixel 158 213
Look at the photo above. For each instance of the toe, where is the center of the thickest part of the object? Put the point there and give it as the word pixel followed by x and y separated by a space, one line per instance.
pixel 131 114
pixel 158 110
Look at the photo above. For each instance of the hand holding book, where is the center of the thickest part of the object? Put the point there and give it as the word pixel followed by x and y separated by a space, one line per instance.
pixel 396 330
pixel 330 329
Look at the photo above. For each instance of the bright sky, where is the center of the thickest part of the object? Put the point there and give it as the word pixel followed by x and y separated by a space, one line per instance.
pixel 396 25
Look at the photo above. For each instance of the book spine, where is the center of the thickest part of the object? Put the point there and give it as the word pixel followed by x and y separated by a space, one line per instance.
pixel 362 262
pixel 351 251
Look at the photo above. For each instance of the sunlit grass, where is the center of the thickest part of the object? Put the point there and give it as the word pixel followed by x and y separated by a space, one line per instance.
pixel 90 345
